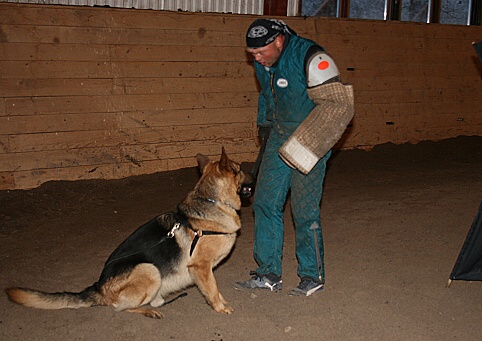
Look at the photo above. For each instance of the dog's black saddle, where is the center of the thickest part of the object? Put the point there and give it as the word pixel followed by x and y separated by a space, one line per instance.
pixel 151 243
pixel 148 244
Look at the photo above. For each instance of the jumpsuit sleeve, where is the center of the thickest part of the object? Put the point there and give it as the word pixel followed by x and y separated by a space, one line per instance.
pixel 262 107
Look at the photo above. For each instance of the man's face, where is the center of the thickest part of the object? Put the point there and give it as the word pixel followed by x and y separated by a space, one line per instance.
pixel 269 54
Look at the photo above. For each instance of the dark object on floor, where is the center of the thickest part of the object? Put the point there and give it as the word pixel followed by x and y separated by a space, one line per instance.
pixel 469 263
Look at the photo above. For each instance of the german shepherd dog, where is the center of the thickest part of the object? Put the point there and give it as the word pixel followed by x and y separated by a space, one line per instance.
pixel 169 253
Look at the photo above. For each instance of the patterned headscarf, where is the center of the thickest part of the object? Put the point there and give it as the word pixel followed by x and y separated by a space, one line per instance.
pixel 263 32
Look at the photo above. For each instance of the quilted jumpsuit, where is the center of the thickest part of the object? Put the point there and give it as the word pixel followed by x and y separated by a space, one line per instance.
pixel 283 104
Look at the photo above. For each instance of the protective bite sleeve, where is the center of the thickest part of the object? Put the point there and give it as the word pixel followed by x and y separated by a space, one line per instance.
pixel 323 127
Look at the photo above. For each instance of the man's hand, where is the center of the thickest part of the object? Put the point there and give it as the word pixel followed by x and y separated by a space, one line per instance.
pixel 264 131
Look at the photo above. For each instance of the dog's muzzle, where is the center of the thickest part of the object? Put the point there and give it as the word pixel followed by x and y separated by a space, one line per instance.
pixel 246 189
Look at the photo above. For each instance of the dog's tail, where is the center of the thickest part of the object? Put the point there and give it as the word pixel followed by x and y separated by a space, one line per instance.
pixel 59 300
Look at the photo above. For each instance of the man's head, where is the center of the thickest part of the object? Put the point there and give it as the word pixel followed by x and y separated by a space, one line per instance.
pixel 269 54
pixel 265 39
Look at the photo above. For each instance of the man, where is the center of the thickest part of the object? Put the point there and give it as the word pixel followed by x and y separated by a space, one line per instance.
pixel 286 66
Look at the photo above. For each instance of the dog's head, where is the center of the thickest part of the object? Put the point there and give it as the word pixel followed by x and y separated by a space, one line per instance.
pixel 223 178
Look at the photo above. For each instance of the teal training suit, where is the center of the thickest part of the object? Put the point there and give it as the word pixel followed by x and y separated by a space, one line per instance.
pixel 283 104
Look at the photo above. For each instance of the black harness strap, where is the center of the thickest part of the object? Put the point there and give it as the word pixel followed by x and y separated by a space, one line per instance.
pixel 203 233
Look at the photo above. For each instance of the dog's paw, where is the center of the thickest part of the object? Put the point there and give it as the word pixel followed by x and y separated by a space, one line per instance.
pixel 155 314
pixel 152 313
pixel 225 310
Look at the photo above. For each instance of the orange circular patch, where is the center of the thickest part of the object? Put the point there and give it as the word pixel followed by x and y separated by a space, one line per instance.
pixel 323 65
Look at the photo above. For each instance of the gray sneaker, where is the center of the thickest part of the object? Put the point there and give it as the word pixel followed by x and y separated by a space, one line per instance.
pixel 270 281
pixel 307 287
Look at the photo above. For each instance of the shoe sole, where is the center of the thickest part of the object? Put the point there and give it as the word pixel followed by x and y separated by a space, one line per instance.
pixel 310 292
pixel 240 287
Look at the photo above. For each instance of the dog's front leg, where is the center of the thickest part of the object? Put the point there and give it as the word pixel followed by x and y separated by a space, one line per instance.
pixel 203 276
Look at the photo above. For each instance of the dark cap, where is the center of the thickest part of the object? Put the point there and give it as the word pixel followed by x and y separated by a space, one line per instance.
pixel 263 32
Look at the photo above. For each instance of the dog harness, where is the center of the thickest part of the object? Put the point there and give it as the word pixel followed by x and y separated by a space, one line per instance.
pixel 200 233
pixel 197 235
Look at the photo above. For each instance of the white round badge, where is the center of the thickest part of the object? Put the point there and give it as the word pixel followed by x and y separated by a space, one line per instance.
pixel 282 83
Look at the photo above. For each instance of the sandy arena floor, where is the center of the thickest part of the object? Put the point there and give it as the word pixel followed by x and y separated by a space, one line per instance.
pixel 394 221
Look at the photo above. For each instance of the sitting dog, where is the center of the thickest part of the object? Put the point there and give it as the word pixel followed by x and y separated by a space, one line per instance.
pixel 171 252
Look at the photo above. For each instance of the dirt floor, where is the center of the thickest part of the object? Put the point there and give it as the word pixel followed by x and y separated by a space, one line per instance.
pixel 394 221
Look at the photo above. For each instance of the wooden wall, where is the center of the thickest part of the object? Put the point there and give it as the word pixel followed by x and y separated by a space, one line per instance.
pixel 107 93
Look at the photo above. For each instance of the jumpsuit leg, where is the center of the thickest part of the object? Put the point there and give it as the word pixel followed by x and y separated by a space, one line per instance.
pixel 306 193
pixel 270 196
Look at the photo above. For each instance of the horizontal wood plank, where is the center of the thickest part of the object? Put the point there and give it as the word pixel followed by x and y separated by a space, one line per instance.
pixel 110 35
pixel 30 124
pixel 135 154
pixel 121 103
pixel 69 140
pixel 56 123
pixel 73 69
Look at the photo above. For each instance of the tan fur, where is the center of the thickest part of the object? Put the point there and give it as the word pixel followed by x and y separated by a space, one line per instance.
pixel 41 300
pixel 144 284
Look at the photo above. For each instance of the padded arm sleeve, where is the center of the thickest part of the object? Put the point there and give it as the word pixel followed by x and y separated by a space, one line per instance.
pixel 323 127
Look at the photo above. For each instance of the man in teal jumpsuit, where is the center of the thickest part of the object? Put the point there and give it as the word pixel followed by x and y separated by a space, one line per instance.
pixel 281 63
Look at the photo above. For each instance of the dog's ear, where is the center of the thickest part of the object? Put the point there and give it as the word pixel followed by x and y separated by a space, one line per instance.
pixel 202 161
pixel 224 161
